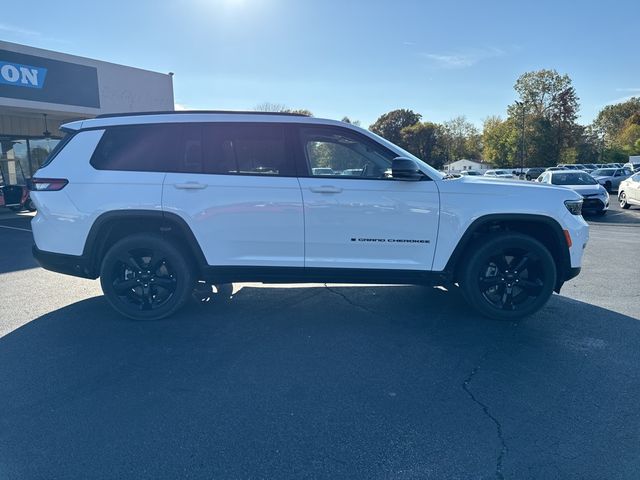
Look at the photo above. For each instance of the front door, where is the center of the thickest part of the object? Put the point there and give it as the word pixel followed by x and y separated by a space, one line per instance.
pixel 356 215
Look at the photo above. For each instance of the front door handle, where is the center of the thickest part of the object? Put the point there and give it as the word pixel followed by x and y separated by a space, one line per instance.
pixel 326 189
pixel 190 186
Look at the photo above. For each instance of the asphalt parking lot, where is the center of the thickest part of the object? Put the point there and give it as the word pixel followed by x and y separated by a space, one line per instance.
pixel 322 381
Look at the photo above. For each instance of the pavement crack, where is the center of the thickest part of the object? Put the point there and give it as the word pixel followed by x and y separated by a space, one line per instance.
pixel 485 408
pixel 349 301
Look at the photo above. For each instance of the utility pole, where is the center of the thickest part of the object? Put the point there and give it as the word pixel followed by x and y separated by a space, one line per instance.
pixel 521 105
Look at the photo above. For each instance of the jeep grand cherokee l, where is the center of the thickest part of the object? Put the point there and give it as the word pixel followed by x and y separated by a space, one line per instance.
pixel 153 203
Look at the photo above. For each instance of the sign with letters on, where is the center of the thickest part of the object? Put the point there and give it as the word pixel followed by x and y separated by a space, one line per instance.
pixel 39 79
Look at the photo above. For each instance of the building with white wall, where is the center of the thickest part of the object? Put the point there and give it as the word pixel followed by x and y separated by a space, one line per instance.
pixel 42 89
pixel 464 164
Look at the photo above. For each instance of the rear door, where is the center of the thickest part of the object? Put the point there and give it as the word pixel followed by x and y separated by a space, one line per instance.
pixel 356 215
pixel 239 194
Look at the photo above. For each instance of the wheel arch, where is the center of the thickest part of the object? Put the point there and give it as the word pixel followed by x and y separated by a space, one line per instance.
pixel 544 229
pixel 112 226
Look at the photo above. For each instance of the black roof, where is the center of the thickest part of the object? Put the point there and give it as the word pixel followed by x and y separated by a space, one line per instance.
pixel 174 112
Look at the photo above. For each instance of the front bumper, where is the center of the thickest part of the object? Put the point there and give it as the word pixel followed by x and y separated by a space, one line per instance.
pixel 594 204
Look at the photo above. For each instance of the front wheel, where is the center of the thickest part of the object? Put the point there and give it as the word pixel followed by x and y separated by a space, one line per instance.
pixel 509 276
pixel 144 277
pixel 622 198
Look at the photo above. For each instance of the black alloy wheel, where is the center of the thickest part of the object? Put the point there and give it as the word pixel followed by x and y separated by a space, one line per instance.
pixel 145 277
pixel 509 276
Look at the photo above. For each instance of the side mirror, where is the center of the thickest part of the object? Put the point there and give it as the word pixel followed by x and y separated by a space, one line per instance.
pixel 404 168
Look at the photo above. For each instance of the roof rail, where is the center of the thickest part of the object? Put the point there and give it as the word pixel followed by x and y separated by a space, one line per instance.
pixel 172 112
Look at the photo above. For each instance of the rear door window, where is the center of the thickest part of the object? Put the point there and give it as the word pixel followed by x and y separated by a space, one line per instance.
pixel 247 149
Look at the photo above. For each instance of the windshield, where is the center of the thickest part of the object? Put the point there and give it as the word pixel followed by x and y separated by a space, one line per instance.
pixel 578 178
pixel 604 172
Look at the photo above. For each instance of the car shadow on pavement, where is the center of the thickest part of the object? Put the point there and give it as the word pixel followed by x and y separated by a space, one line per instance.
pixel 336 382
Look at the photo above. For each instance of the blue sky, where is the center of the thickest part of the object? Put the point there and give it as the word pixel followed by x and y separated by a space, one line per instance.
pixel 355 58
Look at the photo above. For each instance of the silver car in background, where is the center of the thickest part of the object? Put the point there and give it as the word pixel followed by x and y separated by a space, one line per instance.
pixel 499 174
pixel 610 178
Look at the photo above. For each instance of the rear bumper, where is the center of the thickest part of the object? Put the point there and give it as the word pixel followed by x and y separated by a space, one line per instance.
pixel 78 266
pixel 572 273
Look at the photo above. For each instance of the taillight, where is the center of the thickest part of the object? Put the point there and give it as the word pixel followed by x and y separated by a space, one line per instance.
pixel 47 184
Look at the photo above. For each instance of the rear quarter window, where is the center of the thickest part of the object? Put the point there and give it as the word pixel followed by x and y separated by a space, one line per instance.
pixel 150 148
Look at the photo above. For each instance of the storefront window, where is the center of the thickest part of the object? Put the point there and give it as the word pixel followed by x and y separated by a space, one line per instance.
pixel 21 157
pixel 14 161
pixel 39 149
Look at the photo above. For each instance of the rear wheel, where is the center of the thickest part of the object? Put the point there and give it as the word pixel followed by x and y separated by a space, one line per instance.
pixel 622 198
pixel 144 277
pixel 509 276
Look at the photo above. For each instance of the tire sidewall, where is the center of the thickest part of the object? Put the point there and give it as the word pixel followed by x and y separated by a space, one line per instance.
pixel 476 260
pixel 182 270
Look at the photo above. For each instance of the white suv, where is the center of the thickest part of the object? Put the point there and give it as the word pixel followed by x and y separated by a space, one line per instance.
pixel 153 203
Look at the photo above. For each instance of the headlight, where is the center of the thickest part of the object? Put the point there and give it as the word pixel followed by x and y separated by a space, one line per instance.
pixel 574 206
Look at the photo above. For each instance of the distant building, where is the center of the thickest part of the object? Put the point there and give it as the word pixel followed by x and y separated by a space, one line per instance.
pixel 464 164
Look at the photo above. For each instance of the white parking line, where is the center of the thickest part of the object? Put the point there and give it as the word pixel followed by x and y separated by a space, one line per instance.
pixel 15 228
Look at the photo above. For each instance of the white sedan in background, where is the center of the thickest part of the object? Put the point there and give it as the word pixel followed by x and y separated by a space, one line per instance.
pixel 595 196
pixel 499 174
pixel 629 191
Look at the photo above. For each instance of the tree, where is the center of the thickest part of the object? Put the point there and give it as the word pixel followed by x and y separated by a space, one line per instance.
pixel 551 107
pixel 500 139
pixel 612 118
pixel 461 139
pixel 280 108
pixel 346 119
pixel 421 139
pixel 389 125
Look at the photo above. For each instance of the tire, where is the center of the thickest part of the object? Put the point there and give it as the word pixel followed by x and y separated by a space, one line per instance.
pixel 622 198
pixel 29 205
pixel 496 268
pixel 144 277
pixel 607 187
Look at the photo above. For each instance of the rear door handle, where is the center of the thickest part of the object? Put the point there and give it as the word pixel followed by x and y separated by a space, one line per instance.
pixel 190 186
pixel 326 189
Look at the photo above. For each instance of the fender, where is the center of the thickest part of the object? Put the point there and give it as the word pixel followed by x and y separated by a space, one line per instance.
pixel 519 222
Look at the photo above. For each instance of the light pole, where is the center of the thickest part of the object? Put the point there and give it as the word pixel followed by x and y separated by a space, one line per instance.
pixel 521 105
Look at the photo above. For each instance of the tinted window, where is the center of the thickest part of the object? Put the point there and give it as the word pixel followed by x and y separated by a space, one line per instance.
pixel 256 149
pixel 149 148
pixel 195 148
pixel 339 152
